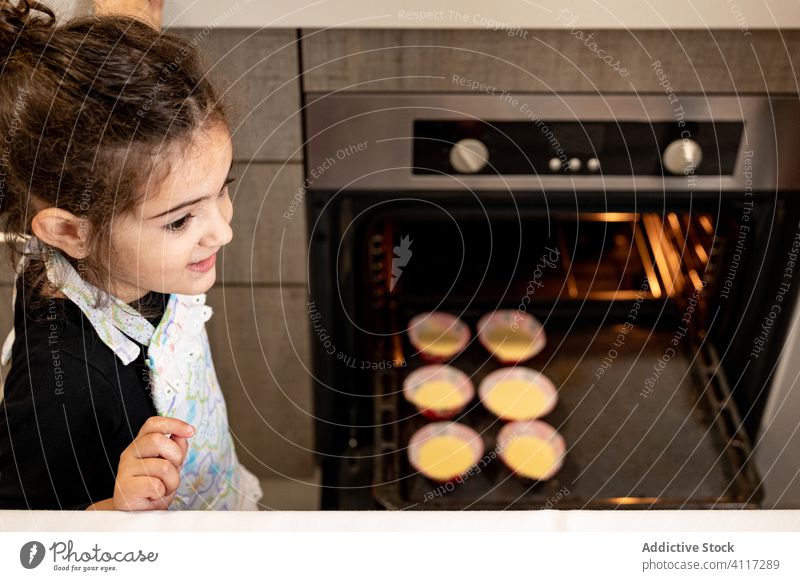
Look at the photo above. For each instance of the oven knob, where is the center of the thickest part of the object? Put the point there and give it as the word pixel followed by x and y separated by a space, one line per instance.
pixel 682 156
pixel 593 164
pixel 554 164
pixel 574 164
pixel 469 156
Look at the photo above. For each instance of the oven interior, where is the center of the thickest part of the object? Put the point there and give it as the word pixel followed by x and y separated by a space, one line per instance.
pixel 628 301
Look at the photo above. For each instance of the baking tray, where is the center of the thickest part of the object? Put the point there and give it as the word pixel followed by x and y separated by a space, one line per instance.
pixel 675 445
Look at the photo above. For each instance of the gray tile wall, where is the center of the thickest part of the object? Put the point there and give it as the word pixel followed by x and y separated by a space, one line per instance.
pixel 260 352
pixel 552 60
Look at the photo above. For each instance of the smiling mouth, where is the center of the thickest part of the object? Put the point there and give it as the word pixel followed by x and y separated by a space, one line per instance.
pixel 205 264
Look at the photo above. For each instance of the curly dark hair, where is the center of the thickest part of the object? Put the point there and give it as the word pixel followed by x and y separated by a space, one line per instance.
pixel 87 109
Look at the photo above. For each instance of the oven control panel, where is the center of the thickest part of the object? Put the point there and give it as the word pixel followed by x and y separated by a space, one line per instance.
pixel 553 142
pixel 541 147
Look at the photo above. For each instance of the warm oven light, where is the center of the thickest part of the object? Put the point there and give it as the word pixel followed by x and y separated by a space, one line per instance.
pixel 610 217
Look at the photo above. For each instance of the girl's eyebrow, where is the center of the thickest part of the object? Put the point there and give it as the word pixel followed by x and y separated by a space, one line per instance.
pixel 178 207
pixel 190 202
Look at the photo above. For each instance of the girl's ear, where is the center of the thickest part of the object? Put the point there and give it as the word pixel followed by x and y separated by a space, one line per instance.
pixel 63 230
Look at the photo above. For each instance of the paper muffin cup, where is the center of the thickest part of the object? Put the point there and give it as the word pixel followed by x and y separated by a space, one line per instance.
pixel 512 320
pixel 536 428
pixel 461 382
pixel 438 429
pixel 527 375
pixel 452 324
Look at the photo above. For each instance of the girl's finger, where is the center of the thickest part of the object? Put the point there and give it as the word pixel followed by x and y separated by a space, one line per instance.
pixel 157 468
pixel 156 445
pixel 141 489
pixel 183 443
pixel 164 425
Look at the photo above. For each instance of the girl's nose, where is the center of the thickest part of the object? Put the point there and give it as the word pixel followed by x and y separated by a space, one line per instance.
pixel 219 231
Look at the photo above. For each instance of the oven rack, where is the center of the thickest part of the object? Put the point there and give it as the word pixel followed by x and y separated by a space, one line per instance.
pixel 681 446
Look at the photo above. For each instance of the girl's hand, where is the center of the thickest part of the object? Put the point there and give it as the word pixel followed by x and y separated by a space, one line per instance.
pixel 149 468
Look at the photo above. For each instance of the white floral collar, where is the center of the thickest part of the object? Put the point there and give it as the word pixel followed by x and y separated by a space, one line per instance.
pixel 119 325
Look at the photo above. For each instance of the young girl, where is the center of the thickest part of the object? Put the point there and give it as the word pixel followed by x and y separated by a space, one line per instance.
pixel 114 167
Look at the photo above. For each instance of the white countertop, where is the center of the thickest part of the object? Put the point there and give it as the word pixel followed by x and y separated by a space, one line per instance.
pixel 510 521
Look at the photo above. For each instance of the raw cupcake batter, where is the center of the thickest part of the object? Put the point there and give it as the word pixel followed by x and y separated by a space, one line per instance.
pixel 530 456
pixel 445 457
pixel 516 399
pixel 438 395
pixel 438 341
pixel 510 344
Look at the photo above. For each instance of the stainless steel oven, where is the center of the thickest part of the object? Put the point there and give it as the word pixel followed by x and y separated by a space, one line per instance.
pixel 654 236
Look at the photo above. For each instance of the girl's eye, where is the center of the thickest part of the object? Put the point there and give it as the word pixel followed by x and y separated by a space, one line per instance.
pixel 183 223
pixel 180 224
pixel 229 180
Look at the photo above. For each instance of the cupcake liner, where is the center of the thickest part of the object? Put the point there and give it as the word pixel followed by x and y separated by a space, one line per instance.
pixel 438 429
pixel 525 374
pixel 438 323
pixel 506 322
pixel 462 383
pixel 536 428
